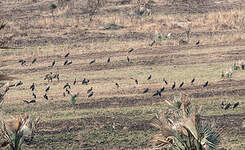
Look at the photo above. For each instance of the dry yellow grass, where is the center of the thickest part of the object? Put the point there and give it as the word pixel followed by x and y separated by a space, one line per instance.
pixel 216 53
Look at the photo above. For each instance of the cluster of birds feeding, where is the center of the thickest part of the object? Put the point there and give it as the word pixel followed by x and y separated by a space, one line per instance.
pixel 49 77
pixel 228 105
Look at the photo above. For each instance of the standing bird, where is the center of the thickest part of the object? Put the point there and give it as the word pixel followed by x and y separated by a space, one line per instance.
pixel 47 89
pixel 164 80
pixel 91 94
pixel 206 84
pixel 45 96
pixel 109 60
pixel 153 42
pixel 227 106
pixel 146 90
pixel 91 62
pixel 68 92
pixel 117 85
pixel 128 59
pixel 181 84
pixel 197 43
pixel 22 62
pixel 67 86
pixel 32 87
pixel 19 83
pixel 75 81
pixel 69 63
pixel 192 81
pixel 85 81
pixel 2 25
pixel 53 63
pixel 65 63
pixel 235 105
pixel 149 77
pixel 130 50
pixel 162 89
pixel 34 95
pixel 157 93
pixel 173 86
pixel 222 105
pixel 136 81
pixel 28 102
pixel 67 55
pixel 34 60
pixel 89 90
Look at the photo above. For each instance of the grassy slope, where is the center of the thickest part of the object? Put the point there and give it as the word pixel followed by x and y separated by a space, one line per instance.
pixel 66 127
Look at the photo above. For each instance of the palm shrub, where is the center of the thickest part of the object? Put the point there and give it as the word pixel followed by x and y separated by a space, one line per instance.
pixel 73 99
pixel 182 129
pixel 14 136
pixel 16 131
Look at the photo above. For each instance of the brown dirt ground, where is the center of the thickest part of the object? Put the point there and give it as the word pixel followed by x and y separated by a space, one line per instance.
pixel 147 56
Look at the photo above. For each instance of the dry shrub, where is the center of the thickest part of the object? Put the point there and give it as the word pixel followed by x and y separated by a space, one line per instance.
pixel 92 7
pixel 2 26
pixel 4 38
pixel 224 20
pixel 142 7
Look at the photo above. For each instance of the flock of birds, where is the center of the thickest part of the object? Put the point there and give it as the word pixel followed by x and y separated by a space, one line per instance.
pixel 228 105
pixel 85 81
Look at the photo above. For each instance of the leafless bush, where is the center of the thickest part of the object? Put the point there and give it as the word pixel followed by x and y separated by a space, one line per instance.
pixel 143 7
pixel 4 40
pixel 2 26
pixel 92 7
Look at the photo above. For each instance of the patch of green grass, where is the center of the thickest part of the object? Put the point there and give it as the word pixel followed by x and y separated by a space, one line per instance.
pixel 111 26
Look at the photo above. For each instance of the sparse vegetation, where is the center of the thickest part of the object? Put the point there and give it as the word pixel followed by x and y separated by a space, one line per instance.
pixel 227 74
pixel 16 131
pixel 121 41
pixel 73 99
pixel 93 6
pixel 111 26
pixel 181 128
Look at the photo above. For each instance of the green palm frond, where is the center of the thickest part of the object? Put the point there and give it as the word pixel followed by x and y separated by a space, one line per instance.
pixel 210 137
pixel 15 138
pixel 182 129
pixel 73 99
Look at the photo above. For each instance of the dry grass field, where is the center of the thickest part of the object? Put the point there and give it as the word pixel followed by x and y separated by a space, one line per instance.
pixel 119 117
